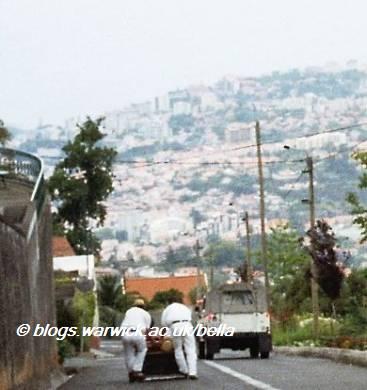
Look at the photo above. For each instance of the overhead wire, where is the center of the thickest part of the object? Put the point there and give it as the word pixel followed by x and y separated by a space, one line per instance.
pixel 185 162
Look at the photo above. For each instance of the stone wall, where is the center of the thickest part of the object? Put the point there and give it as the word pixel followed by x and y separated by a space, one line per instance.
pixel 26 296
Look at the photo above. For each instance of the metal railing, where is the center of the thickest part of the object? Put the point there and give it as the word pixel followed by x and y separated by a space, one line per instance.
pixel 25 167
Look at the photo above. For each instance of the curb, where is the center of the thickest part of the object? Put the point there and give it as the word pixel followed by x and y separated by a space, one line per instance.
pixel 346 356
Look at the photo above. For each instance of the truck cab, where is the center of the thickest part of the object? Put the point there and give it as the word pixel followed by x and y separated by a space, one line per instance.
pixel 241 306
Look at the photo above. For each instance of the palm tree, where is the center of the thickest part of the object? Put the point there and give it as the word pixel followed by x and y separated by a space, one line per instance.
pixel 110 292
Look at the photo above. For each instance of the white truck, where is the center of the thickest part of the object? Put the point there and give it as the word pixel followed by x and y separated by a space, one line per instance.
pixel 242 306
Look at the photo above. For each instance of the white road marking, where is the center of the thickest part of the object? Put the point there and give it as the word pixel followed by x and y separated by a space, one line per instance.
pixel 242 377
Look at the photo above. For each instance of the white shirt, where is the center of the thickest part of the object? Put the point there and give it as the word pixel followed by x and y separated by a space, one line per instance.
pixel 137 317
pixel 175 312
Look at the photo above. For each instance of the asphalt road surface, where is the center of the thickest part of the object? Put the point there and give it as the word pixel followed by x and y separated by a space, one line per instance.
pixel 230 370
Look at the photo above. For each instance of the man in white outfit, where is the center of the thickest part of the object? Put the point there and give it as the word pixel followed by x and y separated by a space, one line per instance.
pixel 177 317
pixel 137 321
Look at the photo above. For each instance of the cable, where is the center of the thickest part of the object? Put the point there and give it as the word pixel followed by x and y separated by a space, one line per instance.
pixel 292 187
pixel 335 154
pixel 350 127
pixel 244 163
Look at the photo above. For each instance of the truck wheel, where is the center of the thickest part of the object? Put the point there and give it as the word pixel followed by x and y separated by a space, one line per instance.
pixel 201 349
pixel 254 352
pixel 264 355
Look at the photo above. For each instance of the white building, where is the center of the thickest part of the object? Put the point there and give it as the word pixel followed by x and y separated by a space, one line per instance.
pixel 237 132
pixel 181 108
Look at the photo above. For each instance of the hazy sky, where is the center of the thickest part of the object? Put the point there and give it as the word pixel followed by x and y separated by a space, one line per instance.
pixel 60 58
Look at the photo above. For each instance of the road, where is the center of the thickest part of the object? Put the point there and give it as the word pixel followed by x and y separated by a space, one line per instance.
pixel 228 371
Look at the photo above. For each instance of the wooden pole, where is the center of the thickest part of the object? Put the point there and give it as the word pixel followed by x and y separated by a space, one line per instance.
pixel 248 246
pixel 314 285
pixel 262 213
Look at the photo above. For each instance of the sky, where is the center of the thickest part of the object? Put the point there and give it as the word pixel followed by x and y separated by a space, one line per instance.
pixel 66 58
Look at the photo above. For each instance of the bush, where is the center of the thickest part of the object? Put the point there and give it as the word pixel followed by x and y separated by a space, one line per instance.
pixel 65 349
pixel 301 332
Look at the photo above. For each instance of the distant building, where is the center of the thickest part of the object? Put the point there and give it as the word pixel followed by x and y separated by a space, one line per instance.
pixel 237 132
pixel 64 259
pixel 180 95
pixel 181 108
pixel 148 287
pixel 102 272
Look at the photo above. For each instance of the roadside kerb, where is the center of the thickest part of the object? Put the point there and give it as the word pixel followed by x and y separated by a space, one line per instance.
pixel 347 356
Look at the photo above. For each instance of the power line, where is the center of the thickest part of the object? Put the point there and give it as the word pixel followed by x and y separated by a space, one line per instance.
pixel 232 163
pixel 293 185
pixel 350 127
pixel 182 162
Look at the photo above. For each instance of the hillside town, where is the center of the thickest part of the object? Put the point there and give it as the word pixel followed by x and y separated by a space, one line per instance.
pixel 183 195
pixel 187 167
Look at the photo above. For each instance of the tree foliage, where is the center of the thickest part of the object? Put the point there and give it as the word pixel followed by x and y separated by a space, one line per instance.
pixel 358 208
pixel 110 292
pixel 79 185
pixel 329 274
pixel 285 253
pixel 353 302
pixel 180 257
pixel 224 253
pixel 5 135
pixel 162 298
pixel 288 266
pixel 112 302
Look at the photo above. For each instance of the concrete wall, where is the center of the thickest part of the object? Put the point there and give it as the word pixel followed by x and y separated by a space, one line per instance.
pixel 26 296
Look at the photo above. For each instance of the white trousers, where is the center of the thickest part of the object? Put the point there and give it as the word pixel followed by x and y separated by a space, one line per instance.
pixel 135 349
pixel 184 343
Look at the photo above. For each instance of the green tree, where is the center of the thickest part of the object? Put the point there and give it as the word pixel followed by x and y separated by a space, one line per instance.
pixel 80 184
pixel 197 292
pixel 358 208
pixel 5 135
pixel 162 298
pixel 287 266
pixel 83 306
pixel 112 303
pixel 329 274
pixel 285 254
pixel 110 292
pixel 180 257
pixel 224 253
pixel 353 303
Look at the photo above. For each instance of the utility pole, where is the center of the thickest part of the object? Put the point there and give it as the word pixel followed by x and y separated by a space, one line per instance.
pixel 262 213
pixel 248 246
pixel 314 286
pixel 197 254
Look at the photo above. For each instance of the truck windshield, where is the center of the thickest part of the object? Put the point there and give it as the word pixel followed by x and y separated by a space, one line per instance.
pixel 238 298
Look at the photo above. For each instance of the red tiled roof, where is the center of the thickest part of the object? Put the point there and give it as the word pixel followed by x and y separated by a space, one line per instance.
pixel 61 247
pixel 148 287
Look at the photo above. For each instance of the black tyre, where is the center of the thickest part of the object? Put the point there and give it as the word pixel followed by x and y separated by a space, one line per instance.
pixel 264 355
pixel 201 348
pixel 209 356
pixel 254 352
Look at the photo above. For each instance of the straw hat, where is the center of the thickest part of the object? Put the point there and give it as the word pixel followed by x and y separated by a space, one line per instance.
pixel 139 302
